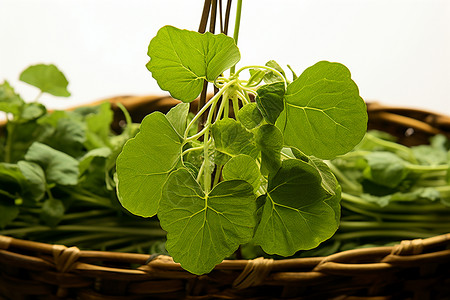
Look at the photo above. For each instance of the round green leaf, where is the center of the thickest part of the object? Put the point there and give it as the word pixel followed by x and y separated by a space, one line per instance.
pixel 35 186
pixel 296 214
pixel 270 100
pixel 250 116
pixel 180 60
pixel 10 102
pixel 59 167
pixel 270 141
pixel 203 229
pixel 231 139
pixel 145 163
pixel 52 211
pixel 385 168
pixel 178 117
pixel 324 115
pixel 47 78
pixel 32 111
pixel 242 167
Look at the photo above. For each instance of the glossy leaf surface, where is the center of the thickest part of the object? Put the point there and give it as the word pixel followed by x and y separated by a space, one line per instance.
pixel 270 142
pixel 177 116
pixel 324 115
pixel 242 167
pixel 47 78
pixel 58 167
pixel 203 229
pixel 250 116
pixel 231 139
pixel 180 60
pixel 145 163
pixel 295 215
pixel 270 100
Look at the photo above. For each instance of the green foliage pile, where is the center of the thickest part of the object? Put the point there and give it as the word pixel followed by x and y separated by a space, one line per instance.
pixel 389 193
pixel 57 171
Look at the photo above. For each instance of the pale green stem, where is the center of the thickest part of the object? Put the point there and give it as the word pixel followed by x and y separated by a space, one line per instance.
pixel 212 101
pixel 197 135
pixel 401 234
pixel 87 228
pixel 200 171
pixel 421 168
pixel 10 127
pixel 86 214
pixel 92 198
pixel 431 182
pixel 226 108
pixel 217 175
pixel 221 107
pixel 409 207
pixel 7 194
pixel 235 105
pixel 370 224
pixel 38 96
pixel 125 112
pixel 237 25
pixel 262 67
pixel 356 153
pixel 341 177
pixel 393 146
pixel 192 149
pixel 206 161
pixel 246 88
pixel 244 97
pixel 49 192
pixel 207 168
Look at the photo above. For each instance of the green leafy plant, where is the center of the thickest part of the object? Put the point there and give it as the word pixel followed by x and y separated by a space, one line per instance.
pixel 57 172
pixel 391 192
pixel 253 172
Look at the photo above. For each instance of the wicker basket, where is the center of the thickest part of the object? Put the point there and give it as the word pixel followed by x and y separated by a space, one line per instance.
pixel 416 269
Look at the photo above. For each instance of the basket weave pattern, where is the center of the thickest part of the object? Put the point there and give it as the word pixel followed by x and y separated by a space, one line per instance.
pixel 415 269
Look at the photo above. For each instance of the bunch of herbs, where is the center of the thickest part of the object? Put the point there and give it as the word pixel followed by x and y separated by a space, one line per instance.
pixel 253 172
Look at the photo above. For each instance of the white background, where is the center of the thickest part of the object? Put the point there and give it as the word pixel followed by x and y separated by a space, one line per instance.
pixel 397 50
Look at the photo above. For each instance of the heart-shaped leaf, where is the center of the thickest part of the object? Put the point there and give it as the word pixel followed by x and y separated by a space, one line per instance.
pixel 203 229
pixel 47 78
pixel 324 115
pixel 145 163
pixel 242 167
pixel 35 180
pixel 270 100
pixel 296 214
pixel 270 141
pixel 180 60
pixel 231 139
pixel 249 116
pixel 59 167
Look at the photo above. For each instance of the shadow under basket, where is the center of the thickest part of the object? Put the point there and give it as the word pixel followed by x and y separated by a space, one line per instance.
pixel 413 269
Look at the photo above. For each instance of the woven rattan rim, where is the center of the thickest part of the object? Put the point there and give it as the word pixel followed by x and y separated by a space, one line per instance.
pixel 254 272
